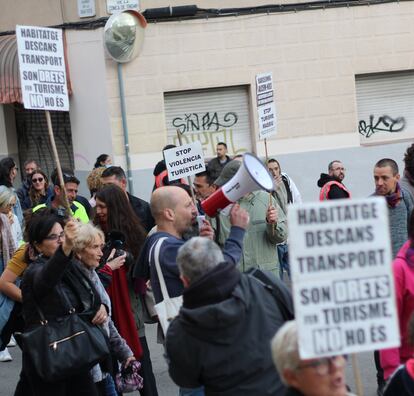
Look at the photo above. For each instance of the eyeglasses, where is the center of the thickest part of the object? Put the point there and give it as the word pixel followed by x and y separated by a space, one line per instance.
pixel 55 237
pixel 39 180
pixel 323 365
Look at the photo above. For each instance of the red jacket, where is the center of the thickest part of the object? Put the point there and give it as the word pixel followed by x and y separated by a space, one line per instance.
pixel 404 290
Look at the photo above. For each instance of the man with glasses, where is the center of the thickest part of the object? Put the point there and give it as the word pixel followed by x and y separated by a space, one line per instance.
pixel 306 377
pixel 71 188
pixel 331 184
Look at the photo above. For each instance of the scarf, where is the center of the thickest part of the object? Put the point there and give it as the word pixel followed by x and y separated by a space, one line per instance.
pixel 394 198
pixel 122 314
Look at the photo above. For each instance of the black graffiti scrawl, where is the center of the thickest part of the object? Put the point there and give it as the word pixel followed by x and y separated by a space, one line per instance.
pixel 383 124
pixel 209 121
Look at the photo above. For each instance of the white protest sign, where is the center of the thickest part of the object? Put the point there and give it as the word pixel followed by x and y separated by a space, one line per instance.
pixel 265 105
pixel 343 288
pixel 42 68
pixel 113 6
pixel 185 160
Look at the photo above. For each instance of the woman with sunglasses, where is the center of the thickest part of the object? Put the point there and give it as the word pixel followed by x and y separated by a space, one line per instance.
pixel 39 191
pixel 52 271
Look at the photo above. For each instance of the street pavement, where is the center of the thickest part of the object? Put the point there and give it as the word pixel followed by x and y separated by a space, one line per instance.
pixel 9 372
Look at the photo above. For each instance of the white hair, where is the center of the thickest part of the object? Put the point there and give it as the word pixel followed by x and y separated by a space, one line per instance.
pixel 85 236
pixel 198 256
pixel 7 196
pixel 285 348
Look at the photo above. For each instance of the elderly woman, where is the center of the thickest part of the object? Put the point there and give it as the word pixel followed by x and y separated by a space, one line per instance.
pixel 310 377
pixel 87 247
pixel 51 274
pixel 7 247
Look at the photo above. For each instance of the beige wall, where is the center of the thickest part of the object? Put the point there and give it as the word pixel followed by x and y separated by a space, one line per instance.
pixel 314 56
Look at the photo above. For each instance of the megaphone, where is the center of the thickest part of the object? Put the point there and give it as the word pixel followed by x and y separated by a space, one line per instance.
pixel 251 176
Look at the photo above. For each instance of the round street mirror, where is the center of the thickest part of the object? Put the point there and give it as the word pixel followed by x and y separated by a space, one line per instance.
pixel 124 35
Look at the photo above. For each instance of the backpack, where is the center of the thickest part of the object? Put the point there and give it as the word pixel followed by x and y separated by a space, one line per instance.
pixel 272 285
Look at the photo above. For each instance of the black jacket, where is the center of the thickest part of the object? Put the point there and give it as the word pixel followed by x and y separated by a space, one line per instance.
pixel 401 383
pixel 221 338
pixel 43 282
pixel 335 192
pixel 143 211
pixel 215 166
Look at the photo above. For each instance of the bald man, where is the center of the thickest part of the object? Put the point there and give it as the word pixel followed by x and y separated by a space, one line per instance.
pixel 175 213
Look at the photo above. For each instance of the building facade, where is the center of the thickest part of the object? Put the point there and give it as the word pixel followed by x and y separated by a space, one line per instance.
pixel 343 79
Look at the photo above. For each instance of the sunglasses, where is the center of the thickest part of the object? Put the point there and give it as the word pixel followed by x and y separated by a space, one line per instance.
pixel 39 180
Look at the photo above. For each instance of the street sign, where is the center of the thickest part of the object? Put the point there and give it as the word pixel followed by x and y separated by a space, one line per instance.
pixel 343 288
pixel 42 68
pixel 86 8
pixel 184 160
pixel 113 6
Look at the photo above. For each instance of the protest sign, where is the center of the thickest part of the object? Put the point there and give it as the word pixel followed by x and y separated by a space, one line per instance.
pixel 265 105
pixel 113 6
pixel 42 68
pixel 343 289
pixel 184 160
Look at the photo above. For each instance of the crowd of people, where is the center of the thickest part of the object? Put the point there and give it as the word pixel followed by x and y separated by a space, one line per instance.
pixel 62 254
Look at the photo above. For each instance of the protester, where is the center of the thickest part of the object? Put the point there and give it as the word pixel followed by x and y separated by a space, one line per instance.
pixel 331 184
pixel 39 191
pixel 87 247
pixel 94 182
pixel 399 201
pixel 403 270
pixel 51 272
pixel 8 200
pixel 7 247
pixel 56 200
pixel 407 181
pixel 175 213
pixel 114 214
pixel 8 173
pixel 116 175
pixel 23 192
pixel 230 354
pixel 204 185
pixel 267 228
pixel 217 164
pixel 401 383
pixel 306 377
pixel 285 193
pixel 104 160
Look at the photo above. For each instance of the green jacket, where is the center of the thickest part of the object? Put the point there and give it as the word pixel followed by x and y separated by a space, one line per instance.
pixel 259 244
pixel 77 209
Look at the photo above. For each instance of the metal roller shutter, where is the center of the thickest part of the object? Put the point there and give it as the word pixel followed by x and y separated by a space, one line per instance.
pixel 385 107
pixel 211 116
pixel 33 138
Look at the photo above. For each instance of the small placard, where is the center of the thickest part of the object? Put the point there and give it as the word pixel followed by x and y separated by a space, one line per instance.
pixel 86 8
pixel 184 160
pixel 265 105
pixel 113 6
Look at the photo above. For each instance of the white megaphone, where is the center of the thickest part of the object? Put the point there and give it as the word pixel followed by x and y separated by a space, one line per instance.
pixel 252 175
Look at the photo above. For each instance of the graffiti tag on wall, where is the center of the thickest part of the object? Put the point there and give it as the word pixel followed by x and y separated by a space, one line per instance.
pixel 199 123
pixel 208 128
pixel 383 124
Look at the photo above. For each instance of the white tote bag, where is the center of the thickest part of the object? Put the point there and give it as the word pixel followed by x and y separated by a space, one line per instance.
pixel 168 308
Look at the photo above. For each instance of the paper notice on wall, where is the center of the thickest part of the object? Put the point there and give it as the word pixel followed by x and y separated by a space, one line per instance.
pixel 265 105
pixel 42 68
pixel 86 8
pixel 343 289
pixel 184 160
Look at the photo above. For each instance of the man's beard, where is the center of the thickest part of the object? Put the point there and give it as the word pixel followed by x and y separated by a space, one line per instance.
pixel 191 231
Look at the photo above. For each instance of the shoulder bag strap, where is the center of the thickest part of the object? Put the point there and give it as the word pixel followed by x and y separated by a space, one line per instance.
pixel 163 286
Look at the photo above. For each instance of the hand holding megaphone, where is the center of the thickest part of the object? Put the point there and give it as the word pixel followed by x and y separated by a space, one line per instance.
pixel 271 215
pixel 250 175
